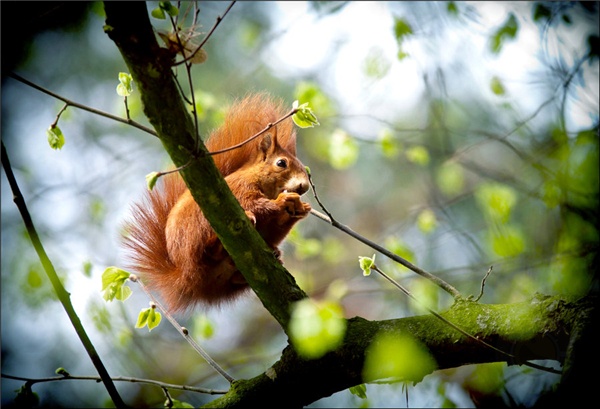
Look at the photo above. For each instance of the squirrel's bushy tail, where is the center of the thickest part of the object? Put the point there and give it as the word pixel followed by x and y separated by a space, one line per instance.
pixel 144 237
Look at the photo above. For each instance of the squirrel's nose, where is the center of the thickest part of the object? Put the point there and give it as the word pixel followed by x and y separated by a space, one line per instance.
pixel 298 186
pixel 302 188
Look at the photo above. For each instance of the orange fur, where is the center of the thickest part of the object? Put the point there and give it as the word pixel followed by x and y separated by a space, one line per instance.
pixel 243 120
pixel 172 245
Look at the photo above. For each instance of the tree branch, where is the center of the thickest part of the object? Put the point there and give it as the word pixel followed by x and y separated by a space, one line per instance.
pixel 63 295
pixel 130 379
pixel 69 102
pixel 539 329
pixel 128 25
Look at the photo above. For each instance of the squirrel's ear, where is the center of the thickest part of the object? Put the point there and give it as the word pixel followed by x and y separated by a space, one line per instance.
pixel 265 143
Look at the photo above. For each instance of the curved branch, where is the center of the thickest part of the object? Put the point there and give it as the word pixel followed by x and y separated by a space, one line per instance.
pixel 63 295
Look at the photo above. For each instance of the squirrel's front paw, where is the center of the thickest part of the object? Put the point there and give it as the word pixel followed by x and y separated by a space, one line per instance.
pixel 293 205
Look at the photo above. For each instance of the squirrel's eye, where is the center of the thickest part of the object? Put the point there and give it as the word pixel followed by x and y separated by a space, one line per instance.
pixel 282 163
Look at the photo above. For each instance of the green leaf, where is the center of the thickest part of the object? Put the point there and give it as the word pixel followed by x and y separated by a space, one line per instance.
pixel 389 145
pixel 508 30
pixel 487 379
pixel 418 154
pixel 34 278
pixel 143 318
pixel 398 356
pixel 496 201
pixel 450 178
pixel 359 390
pixel 169 8
pixel 180 404
pixel 343 150
pixel 203 327
pixel 497 86
pixel 87 268
pixel 426 221
pixel 151 179
pixel 154 319
pixel 304 117
pixel 507 241
pixel 552 194
pixel 158 13
pixel 125 87
pixel 123 293
pixel 164 6
pixel 113 280
pixel 150 317
pixel 452 9
pixel 112 275
pixel 316 327
pixel 401 29
pixel 401 55
pixel 366 263
pixel 56 139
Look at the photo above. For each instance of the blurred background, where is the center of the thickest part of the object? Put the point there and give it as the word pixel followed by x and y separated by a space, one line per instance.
pixel 458 135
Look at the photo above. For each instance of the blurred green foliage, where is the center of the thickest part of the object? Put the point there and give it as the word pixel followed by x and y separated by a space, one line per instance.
pixel 485 168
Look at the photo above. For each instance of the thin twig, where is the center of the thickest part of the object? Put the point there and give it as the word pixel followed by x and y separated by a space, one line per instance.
pixel 62 294
pixel 83 107
pixel 438 281
pixel 256 135
pixel 210 33
pixel 188 69
pixel 183 331
pixel 53 124
pixel 126 108
pixel 483 283
pixel 117 379
pixel 456 327
pixel 432 312
pixel 314 189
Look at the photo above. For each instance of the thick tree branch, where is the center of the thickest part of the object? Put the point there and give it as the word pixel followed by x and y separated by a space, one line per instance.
pixel 538 329
pixel 128 25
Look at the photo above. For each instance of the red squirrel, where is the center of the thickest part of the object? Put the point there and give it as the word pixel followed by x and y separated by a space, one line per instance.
pixel 170 242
